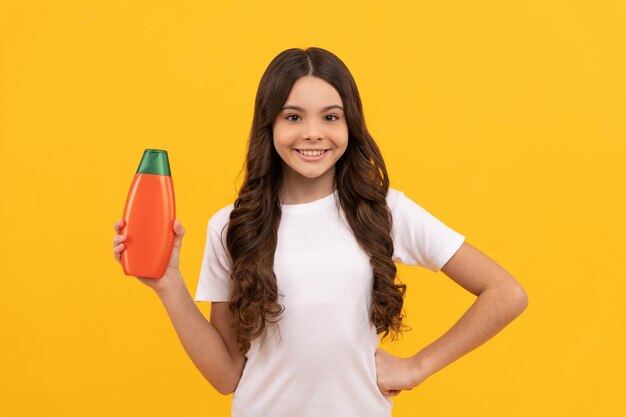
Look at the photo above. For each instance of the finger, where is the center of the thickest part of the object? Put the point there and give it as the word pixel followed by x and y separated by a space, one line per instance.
pixel 117 252
pixel 178 228
pixel 118 224
pixel 119 238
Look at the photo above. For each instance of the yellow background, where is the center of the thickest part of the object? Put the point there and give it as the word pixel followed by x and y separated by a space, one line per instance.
pixel 504 120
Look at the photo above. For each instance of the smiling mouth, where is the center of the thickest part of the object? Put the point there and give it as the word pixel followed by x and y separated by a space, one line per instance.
pixel 314 153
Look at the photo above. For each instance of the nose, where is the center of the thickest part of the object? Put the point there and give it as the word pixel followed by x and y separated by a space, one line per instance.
pixel 312 131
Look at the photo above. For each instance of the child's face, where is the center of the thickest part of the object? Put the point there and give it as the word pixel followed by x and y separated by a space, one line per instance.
pixel 311 126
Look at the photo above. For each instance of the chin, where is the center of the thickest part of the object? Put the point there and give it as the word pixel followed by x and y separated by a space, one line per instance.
pixel 310 175
pixel 310 172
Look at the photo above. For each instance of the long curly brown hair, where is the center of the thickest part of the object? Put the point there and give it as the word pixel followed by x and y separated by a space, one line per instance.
pixel 360 179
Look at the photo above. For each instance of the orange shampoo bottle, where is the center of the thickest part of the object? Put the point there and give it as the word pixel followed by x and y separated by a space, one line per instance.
pixel 149 217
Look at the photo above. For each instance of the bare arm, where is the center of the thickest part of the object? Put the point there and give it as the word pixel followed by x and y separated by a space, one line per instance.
pixel 500 300
pixel 203 340
pixel 210 345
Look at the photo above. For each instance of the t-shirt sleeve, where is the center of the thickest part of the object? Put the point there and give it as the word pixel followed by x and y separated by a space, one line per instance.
pixel 419 238
pixel 214 282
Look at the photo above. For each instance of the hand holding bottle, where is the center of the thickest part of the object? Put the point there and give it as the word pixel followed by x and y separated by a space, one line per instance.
pixel 172 275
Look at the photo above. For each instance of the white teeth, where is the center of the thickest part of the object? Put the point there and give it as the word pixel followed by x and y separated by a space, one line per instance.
pixel 311 153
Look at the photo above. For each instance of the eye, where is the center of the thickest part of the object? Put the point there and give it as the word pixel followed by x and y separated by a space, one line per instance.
pixel 291 115
pixel 332 115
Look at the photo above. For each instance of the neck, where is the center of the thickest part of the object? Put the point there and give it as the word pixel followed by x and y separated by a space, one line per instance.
pixel 298 189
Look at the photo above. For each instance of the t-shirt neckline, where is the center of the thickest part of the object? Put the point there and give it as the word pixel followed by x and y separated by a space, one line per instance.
pixel 311 205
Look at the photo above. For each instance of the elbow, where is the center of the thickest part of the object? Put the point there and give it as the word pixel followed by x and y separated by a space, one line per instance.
pixel 226 386
pixel 231 388
pixel 512 297
pixel 227 379
pixel 519 298
pixel 223 389
pixel 225 392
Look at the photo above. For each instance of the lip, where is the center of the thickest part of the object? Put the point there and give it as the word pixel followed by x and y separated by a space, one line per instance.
pixel 311 158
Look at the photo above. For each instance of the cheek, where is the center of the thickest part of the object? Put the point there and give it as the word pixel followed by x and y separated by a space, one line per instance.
pixel 277 138
pixel 344 142
pixel 282 137
pixel 281 144
pixel 344 134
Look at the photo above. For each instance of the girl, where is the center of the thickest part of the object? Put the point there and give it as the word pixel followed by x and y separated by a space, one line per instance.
pixel 300 269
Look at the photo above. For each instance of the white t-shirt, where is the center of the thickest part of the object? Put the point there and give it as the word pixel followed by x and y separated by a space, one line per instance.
pixel 321 361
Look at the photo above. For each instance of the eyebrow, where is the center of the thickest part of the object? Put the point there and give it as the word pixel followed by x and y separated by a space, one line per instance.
pixel 291 106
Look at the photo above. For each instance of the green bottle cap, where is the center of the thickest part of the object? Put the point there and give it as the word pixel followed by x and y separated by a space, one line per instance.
pixel 154 161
